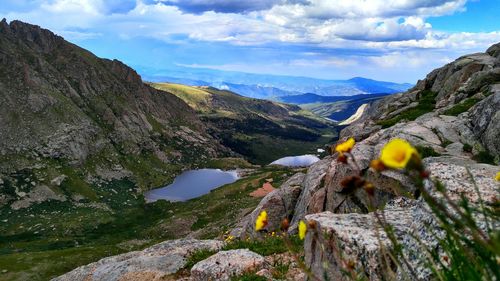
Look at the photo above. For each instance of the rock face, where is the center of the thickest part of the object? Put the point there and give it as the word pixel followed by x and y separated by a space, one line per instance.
pixel 153 263
pixel 485 121
pixel 470 79
pixel 61 106
pixel 226 264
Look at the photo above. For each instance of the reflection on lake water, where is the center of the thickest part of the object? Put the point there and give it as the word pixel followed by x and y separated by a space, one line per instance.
pixel 192 184
pixel 297 161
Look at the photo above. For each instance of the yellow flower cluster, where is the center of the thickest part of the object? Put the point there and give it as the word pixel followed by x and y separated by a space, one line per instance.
pixel 302 230
pixel 261 221
pixel 497 177
pixel 345 146
pixel 397 153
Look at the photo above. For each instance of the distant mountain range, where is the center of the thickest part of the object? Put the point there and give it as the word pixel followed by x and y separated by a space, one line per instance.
pixel 314 98
pixel 272 86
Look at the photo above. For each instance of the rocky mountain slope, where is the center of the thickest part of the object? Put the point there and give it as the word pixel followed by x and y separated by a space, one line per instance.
pixel 260 130
pixel 69 117
pixel 341 109
pixel 451 117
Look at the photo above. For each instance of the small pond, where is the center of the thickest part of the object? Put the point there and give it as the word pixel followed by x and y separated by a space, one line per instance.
pixel 297 161
pixel 192 184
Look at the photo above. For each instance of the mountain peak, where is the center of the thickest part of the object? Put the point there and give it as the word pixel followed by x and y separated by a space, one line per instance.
pixel 358 78
pixel 37 38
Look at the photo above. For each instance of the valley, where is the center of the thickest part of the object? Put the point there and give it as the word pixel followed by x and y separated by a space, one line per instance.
pixel 260 130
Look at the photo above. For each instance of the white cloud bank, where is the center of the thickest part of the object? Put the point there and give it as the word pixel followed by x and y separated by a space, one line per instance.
pixel 386 33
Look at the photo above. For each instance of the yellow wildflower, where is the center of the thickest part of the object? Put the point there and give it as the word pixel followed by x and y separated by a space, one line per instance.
pixel 397 153
pixel 345 146
pixel 261 221
pixel 497 177
pixel 302 230
pixel 229 238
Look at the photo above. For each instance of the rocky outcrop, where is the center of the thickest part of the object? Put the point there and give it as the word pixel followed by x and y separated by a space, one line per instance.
pixel 470 79
pixel 227 264
pixel 38 194
pixel 347 235
pixel 343 240
pixel 153 263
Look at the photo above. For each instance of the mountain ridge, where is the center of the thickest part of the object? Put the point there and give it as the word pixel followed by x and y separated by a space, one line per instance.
pixel 274 86
pixel 261 130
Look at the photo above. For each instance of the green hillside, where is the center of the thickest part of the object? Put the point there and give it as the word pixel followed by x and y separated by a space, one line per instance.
pixel 260 130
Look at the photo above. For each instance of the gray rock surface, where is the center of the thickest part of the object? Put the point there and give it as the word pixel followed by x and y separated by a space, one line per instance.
pixel 313 182
pixel 38 194
pixel 152 263
pixel 460 176
pixel 342 238
pixel 485 122
pixel 226 264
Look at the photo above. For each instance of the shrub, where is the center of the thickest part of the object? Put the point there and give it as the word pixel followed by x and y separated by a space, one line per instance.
pixel 197 257
pixel 461 107
pixel 426 151
pixel 426 104
pixel 467 147
pixel 484 157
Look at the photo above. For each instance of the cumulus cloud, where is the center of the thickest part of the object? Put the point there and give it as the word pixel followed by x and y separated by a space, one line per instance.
pixel 328 9
pixel 380 33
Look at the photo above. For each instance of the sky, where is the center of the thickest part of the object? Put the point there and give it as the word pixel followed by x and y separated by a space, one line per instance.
pixel 390 40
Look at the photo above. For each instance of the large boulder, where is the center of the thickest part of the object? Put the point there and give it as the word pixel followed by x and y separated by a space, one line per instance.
pixel 464 177
pixel 343 240
pixel 313 182
pixel 485 121
pixel 152 263
pixel 358 241
pixel 227 264
pixel 279 204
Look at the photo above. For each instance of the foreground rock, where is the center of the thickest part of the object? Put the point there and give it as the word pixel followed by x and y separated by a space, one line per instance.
pixel 153 263
pixel 354 239
pixel 358 240
pixel 226 264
